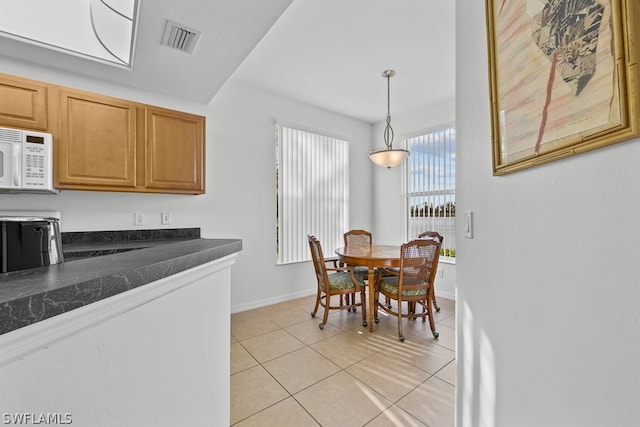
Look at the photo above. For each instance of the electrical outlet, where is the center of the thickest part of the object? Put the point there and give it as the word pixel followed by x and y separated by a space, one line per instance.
pixel 440 273
pixel 138 218
pixel 165 218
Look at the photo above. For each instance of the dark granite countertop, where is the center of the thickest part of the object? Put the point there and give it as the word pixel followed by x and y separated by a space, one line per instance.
pixel 29 296
pixel 82 244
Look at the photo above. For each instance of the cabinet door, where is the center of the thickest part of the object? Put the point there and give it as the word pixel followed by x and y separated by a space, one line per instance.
pixel 174 151
pixel 96 142
pixel 23 103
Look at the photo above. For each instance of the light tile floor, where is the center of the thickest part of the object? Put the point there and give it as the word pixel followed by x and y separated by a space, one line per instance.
pixel 285 371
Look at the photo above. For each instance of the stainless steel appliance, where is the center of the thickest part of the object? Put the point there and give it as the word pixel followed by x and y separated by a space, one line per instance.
pixel 26 161
pixel 29 242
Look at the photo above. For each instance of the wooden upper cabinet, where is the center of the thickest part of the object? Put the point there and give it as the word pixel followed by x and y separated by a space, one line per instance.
pixel 109 144
pixel 174 151
pixel 23 103
pixel 96 143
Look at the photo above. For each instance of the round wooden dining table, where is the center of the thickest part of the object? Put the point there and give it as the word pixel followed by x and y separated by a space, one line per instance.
pixel 372 257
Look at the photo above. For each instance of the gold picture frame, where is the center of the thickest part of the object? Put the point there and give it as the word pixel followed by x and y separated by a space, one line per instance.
pixel 563 78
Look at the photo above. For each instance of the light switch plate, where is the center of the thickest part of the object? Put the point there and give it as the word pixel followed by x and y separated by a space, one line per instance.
pixel 468 224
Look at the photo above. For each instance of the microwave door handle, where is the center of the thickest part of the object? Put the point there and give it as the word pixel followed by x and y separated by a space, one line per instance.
pixel 17 166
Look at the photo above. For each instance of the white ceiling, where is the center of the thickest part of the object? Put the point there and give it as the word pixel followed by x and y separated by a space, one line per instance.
pixel 331 53
pixel 327 53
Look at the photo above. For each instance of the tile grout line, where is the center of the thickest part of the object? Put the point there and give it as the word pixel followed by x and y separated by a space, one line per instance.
pixel 290 395
pixel 341 369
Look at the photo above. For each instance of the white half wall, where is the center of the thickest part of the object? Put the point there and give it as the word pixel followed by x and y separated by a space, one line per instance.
pixel 547 290
pixel 164 363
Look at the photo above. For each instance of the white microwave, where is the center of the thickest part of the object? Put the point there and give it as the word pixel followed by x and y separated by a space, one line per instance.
pixel 26 161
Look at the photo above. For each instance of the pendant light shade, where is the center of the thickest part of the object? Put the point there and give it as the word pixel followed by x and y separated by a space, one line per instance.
pixel 389 157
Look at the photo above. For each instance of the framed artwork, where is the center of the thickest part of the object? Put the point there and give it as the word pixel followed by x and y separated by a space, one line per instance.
pixel 563 78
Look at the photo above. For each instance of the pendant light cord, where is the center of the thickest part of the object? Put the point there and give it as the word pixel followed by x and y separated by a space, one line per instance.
pixel 388 130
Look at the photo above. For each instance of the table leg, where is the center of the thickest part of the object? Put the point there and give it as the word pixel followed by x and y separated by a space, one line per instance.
pixel 371 279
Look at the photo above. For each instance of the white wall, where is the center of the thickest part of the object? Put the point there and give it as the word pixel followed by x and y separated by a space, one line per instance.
pixel 240 199
pixel 547 297
pixel 388 200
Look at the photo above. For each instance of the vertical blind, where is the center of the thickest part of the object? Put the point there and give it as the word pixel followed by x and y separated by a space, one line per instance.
pixel 312 192
pixel 431 186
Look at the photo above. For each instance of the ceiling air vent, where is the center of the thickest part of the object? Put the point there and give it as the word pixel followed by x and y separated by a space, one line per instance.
pixel 180 37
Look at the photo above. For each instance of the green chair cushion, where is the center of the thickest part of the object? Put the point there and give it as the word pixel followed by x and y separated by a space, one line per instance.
pixel 361 272
pixel 390 284
pixel 342 280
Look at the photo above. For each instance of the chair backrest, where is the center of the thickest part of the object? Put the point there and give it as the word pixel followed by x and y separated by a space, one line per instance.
pixel 431 235
pixel 418 263
pixel 318 260
pixel 357 238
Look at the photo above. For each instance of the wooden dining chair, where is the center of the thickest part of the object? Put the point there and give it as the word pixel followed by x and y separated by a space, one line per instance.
pixel 358 238
pixel 413 283
pixel 424 235
pixel 436 236
pixel 339 280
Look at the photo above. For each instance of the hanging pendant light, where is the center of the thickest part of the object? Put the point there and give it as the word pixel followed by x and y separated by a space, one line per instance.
pixel 388 157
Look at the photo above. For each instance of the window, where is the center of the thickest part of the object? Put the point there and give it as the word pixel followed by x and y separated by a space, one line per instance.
pixel 431 186
pixel 312 175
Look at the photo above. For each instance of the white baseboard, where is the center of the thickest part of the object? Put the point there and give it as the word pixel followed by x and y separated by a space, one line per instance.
pixel 446 295
pixel 288 297
pixel 270 301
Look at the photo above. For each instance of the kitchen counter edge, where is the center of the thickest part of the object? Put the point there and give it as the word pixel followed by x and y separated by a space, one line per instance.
pixel 30 296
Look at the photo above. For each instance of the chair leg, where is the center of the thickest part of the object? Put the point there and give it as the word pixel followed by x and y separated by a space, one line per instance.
pixel 400 336
pixel 377 304
pixel 432 323
pixel 435 303
pixel 349 299
pixel 411 307
pixel 363 306
pixel 315 309
pixel 325 317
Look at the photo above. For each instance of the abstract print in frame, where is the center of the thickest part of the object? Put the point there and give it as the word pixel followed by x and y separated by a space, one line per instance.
pixel 563 78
